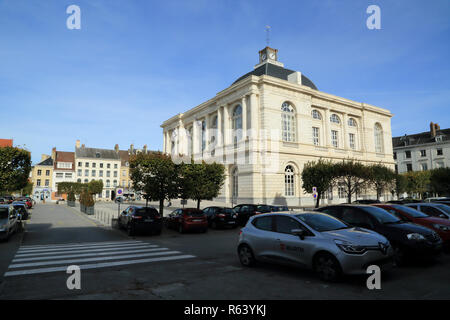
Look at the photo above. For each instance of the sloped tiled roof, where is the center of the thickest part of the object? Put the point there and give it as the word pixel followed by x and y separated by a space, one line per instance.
pixel 65 156
pixel 84 152
pixel 6 142
pixel 46 162
pixel 277 72
pixel 419 138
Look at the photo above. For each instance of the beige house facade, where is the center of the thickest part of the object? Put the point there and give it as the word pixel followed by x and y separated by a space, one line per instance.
pixel 268 124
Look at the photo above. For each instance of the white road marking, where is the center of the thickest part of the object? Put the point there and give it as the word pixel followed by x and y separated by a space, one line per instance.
pixel 33 259
pixel 97 265
pixel 72 261
pixel 81 247
pixel 124 247
pixel 83 244
pixel 88 254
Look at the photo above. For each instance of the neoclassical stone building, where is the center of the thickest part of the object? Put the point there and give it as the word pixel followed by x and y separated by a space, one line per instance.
pixel 268 124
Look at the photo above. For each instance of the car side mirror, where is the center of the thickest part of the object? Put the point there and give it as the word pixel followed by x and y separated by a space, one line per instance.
pixel 298 232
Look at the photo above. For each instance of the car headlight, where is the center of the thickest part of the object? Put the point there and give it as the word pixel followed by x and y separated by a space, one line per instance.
pixel 441 227
pixel 415 236
pixel 349 247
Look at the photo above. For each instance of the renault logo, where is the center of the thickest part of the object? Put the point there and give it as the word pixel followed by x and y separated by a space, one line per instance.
pixel 383 247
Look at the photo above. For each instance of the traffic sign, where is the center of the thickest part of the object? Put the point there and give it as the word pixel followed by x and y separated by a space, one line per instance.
pixel 119 192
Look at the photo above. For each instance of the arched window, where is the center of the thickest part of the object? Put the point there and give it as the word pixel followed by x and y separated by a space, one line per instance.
pixel 86 180
pixel 237 123
pixel 335 119
pixel 316 115
pixel 115 183
pixel 351 122
pixel 79 180
pixel 288 122
pixel 289 186
pixel 107 183
pixel 235 183
pixel 378 133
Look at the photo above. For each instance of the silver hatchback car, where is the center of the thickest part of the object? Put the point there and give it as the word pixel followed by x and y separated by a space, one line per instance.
pixel 313 240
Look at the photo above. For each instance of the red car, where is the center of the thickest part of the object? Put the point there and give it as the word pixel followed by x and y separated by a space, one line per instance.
pixel 441 226
pixel 187 219
pixel 27 200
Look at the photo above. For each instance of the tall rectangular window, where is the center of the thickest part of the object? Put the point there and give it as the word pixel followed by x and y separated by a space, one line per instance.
pixel 334 138
pixel 439 152
pixel 351 137
pixel 408 154
pixel 38 182
pixel 423 153
pixel 80 172
pixel 39 172
pixel 47 182
pixel 408 167
pixel 315 132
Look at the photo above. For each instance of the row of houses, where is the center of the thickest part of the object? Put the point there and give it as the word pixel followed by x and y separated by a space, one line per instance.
pixel 84 164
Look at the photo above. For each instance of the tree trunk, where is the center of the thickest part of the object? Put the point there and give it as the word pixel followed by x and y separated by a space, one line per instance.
pixel 161 207
pixel 349 197
pixel 318 199
pixel 198 203
pixel 146 202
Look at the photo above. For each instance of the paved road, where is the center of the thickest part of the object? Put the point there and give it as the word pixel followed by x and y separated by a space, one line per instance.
pixel 174 266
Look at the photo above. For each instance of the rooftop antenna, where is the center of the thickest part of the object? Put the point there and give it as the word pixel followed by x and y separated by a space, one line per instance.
pixel 268 35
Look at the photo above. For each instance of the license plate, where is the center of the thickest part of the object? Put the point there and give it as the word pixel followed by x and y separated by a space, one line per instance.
pixel 197 220
pixel 148 220
pixel 231 222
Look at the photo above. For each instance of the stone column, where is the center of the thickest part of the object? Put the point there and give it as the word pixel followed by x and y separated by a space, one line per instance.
pixel 226 124
pixel 219 135
pixel 346 143
pixel 327 138
pixel 254 112
pixel 244 117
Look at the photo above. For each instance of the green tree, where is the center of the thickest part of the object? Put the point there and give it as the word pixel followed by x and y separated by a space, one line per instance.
pixel 318 174
pixel 381 178
pixel 156 175
pixel 440 181
pixel 353 175
pixel 418 182
pixel 400 184
pixel 95 187
pixel 15 167
pixel 201 181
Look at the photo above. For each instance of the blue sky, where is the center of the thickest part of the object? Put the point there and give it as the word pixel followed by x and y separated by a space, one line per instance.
pixel 114 80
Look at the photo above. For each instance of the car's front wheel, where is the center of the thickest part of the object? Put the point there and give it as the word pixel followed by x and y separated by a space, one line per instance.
pixel 327 267
pixel 180 228
pixel 246 256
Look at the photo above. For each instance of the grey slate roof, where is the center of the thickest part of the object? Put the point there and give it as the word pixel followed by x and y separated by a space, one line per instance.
pixel 46 162
pixel 277 72
pixel 419 138
pixel 92 153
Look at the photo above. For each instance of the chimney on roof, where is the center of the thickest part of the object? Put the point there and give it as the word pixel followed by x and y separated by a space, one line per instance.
pixel 44 157
pixel 77 144
pixel 54 153
pixel 437 127
pixel 116 147
pixel 131 148
pixel 82 145
pixel 432 129
pixel 145 149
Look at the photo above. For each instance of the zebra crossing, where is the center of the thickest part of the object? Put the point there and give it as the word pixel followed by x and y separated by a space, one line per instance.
pixel 38 259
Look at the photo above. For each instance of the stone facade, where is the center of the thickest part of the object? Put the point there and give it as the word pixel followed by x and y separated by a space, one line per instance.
pixel 261 129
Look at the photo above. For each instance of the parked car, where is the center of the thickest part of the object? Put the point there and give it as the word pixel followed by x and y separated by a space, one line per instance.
pixel 8 199
pixel 436 199
pixel 408 214
pixel 315 241
pixel 21 208
pixel 8 221
pixel 220 217
pixel 27 200
pixel 140 219
pixel 3 201
pixel 366 201
pixel 407 239
pixel 245 211
pixel 187 219
pixel 433 209
pixel 277 208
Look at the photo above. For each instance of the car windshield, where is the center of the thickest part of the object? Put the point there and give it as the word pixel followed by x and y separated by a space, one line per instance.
pixel 193 213
pixel 227 210
pixel 410 211
pixel 381 215
pixel 444 207
pixel 147 212
pixel 321 222
pixel 3 213
pixel 263 208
